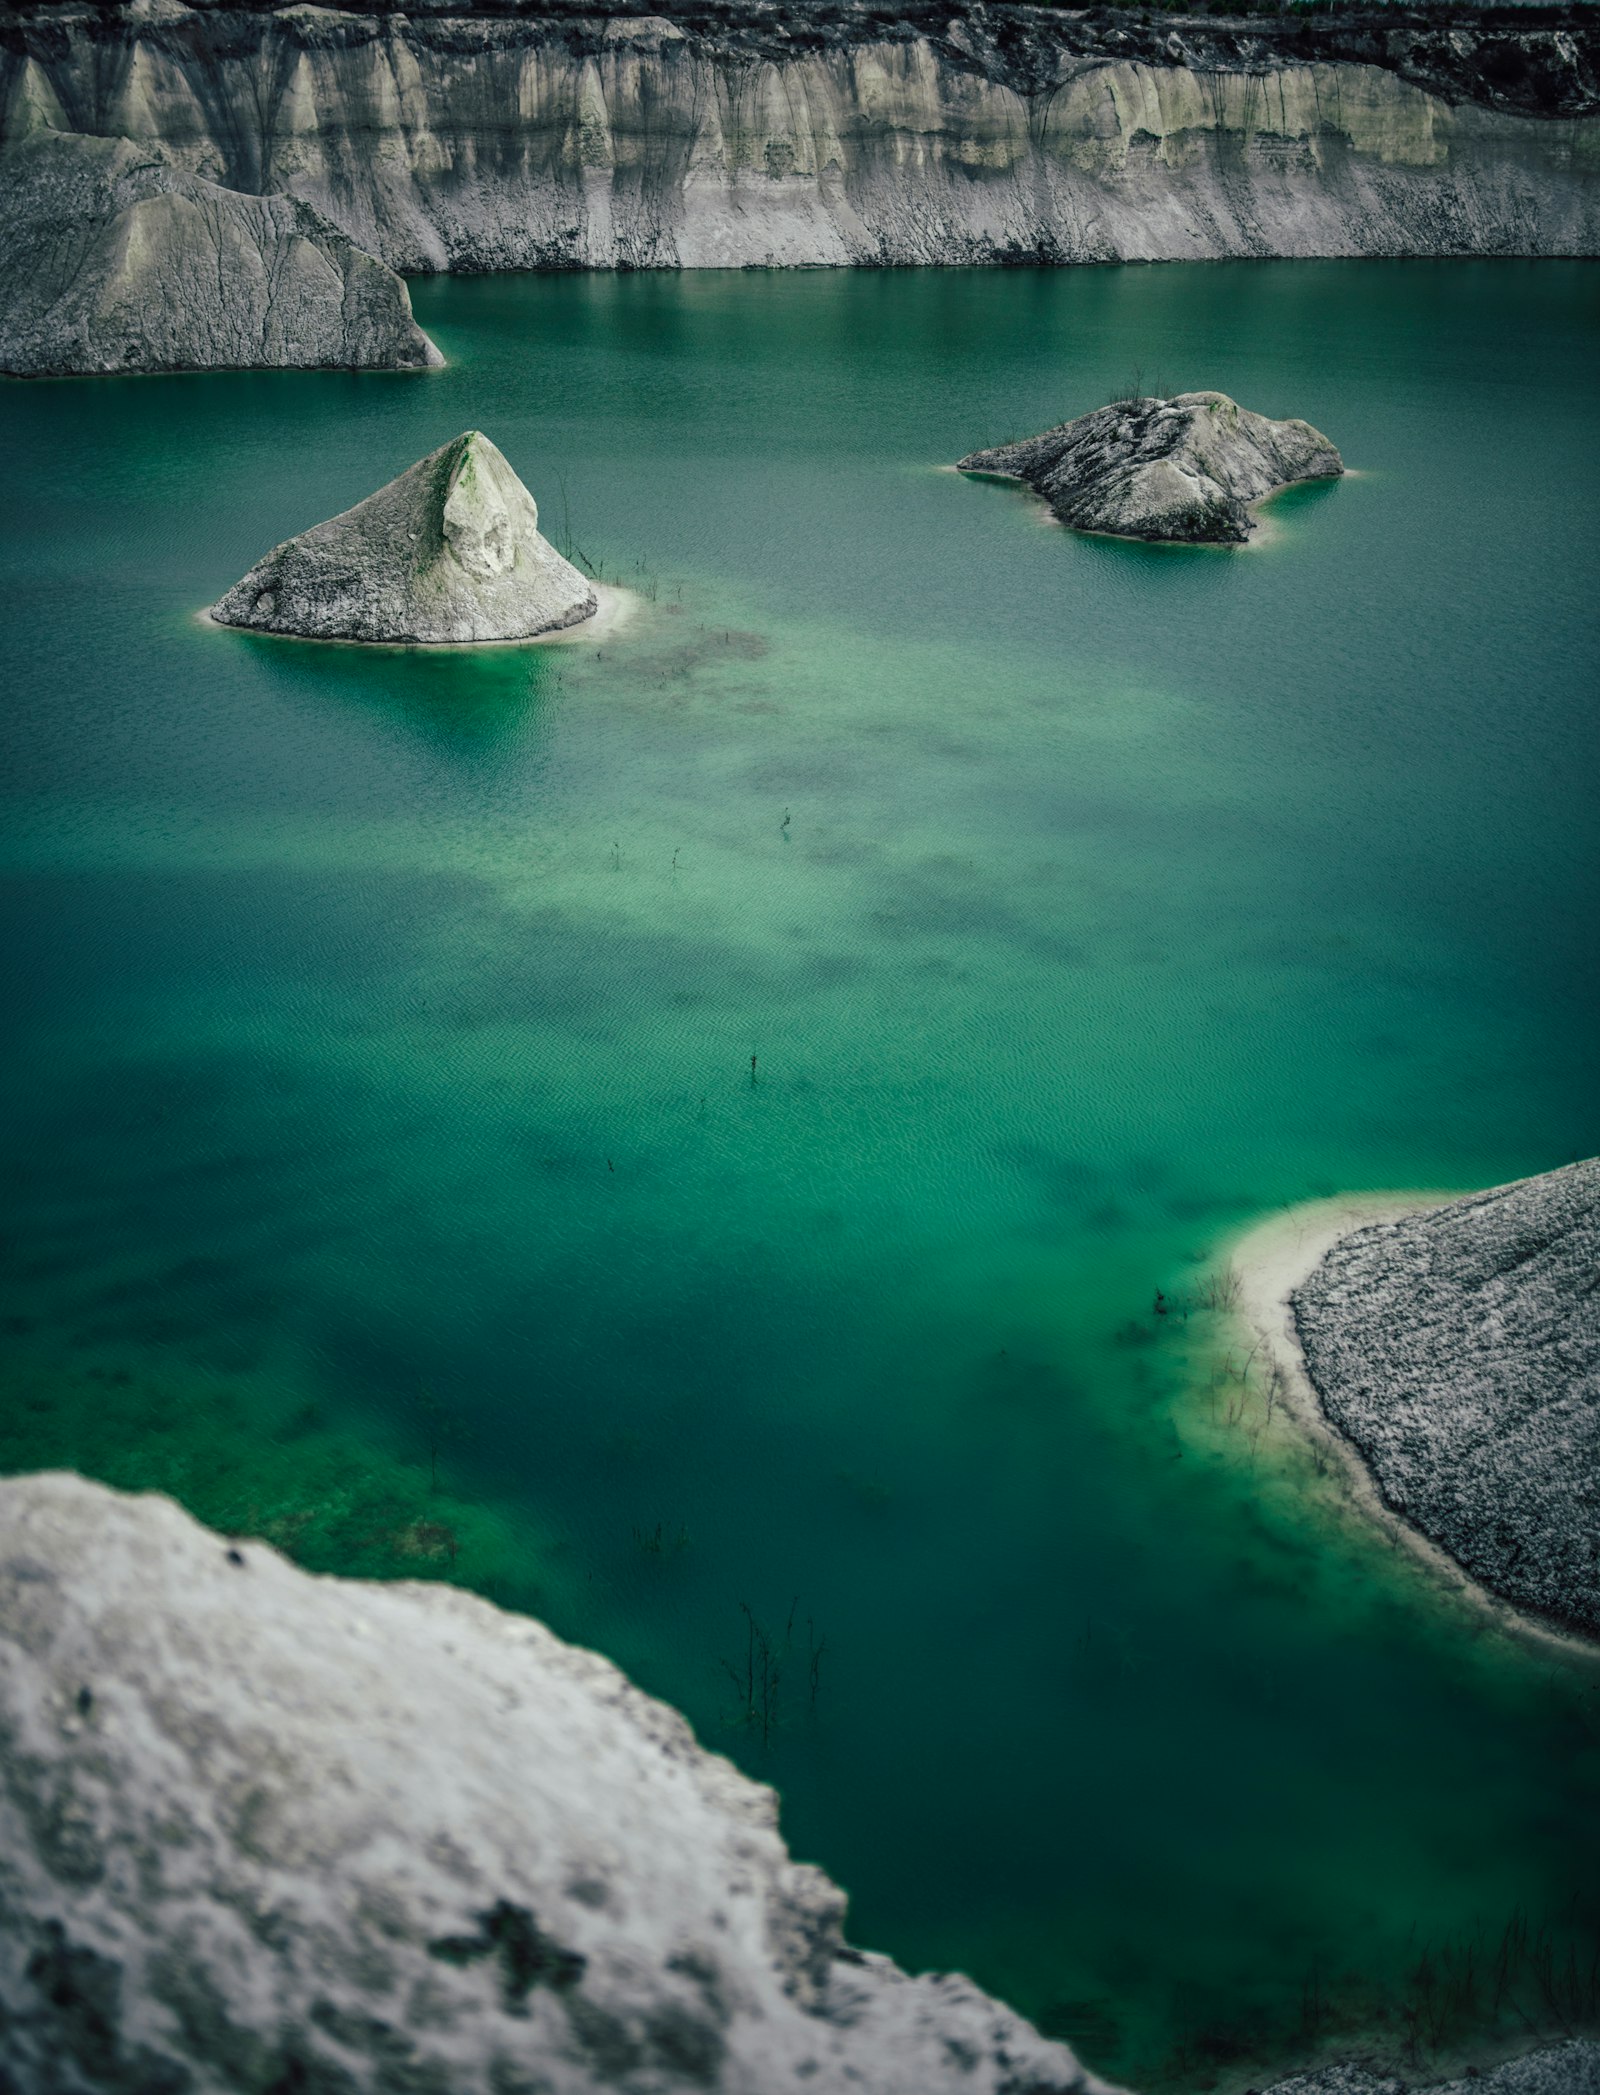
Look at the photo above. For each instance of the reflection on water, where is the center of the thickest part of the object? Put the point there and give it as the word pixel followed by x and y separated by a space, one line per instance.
pixel 387 1170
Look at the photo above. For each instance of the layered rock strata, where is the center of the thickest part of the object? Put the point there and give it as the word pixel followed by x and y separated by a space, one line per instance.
pixel 1459 1351
pixel 262 1830
pixel 111 259
pixel 514 138
pixel 1186 469
pixel 449 552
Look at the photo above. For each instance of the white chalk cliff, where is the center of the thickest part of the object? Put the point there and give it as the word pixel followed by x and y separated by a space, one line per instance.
pixel 828 134
pixel 449 552
pixel 263 1831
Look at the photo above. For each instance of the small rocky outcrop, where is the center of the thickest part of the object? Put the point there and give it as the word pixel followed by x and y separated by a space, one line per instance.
pixel 111 259
pixel 448 552
pixel 1185 469
pixel 1459 1351
pixel 263 1830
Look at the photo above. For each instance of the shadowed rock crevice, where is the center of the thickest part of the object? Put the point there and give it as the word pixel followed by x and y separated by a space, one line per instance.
pixel 526 1956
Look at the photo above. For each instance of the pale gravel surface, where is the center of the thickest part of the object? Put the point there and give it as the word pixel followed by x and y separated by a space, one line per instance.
pixel 1186 469
pixel 1459 1351
pixel 262 1831
pixel 1572 2068
pixel 114 260
pixel 448 552
pixel 459 139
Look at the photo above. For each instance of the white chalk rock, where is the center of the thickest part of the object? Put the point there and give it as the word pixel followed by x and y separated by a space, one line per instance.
pixel 448 552
pixel 260 1830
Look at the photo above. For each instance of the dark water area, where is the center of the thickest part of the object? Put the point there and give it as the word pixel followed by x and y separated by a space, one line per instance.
pixel 383 1169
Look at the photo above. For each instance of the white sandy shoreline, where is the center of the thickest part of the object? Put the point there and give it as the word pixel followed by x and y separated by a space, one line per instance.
pixel 1270 1259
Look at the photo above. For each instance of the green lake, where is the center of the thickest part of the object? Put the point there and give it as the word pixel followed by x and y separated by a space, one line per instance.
pixel 382 1169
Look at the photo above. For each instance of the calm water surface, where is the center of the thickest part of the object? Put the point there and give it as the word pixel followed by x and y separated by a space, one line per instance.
pixel 383 1167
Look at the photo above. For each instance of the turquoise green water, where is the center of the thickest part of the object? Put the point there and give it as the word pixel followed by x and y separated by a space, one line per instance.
pixel 378 1090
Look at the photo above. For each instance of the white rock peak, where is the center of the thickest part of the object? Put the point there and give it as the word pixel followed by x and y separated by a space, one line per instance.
pixel 449 552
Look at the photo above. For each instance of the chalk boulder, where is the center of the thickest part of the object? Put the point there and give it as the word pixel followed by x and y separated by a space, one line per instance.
pixel 448 552
pixel 111 260
pixel 1186 469
pixel 268 1831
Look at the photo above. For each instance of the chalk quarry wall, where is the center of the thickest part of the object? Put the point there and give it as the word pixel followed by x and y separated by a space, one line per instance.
pixel 489 141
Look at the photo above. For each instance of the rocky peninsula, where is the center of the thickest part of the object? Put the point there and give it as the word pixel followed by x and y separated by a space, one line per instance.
pixel 260 1829
pixel 1458 1350
pixel 449 552
pixel 1185 470
pixel 519 137
pixel 112 259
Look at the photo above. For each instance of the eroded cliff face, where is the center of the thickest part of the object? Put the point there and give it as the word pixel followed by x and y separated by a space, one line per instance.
pixel 500 141
pixel 110 260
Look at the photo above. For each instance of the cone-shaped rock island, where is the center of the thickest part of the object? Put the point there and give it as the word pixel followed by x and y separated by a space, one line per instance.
pixel 448 553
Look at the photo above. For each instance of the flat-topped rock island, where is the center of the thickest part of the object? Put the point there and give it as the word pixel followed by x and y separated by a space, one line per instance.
pixel 1188 469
